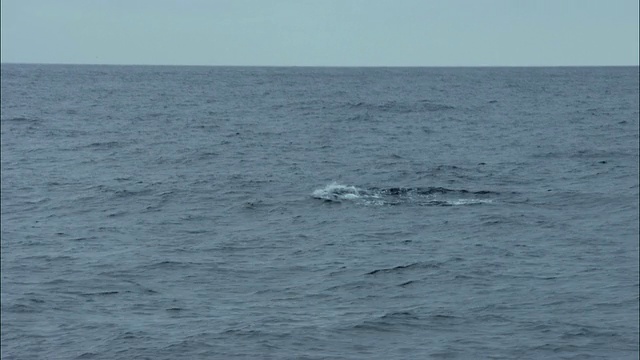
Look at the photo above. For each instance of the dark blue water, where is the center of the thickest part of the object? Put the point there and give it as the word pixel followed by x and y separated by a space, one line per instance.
pixel 319 213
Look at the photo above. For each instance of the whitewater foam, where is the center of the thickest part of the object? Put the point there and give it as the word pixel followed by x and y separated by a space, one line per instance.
pixel 337 192
pixel 433 196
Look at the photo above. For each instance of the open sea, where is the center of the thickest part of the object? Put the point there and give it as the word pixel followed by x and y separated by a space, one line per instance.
pixel 154 212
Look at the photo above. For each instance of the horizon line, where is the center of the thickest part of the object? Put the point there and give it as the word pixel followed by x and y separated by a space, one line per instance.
pixel 319 66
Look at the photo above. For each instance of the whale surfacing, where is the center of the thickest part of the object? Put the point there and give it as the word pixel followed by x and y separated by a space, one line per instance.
pixel 423 196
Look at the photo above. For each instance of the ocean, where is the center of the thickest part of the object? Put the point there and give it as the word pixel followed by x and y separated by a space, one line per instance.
pixel 159 212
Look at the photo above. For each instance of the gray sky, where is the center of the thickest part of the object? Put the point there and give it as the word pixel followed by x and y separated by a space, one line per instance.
pixel 321 32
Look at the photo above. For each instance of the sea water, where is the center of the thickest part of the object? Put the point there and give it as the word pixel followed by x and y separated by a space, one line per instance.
pixel 319 213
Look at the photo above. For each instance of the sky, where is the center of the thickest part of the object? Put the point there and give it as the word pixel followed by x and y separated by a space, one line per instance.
pixel 321 32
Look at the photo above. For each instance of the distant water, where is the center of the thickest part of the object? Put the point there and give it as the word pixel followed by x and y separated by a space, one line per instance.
pixel 319 213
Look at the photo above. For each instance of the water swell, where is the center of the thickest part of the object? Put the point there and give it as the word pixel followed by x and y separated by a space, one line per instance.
pixel 416 265
pixel 22 120
pixel 430 191
pixel 420 106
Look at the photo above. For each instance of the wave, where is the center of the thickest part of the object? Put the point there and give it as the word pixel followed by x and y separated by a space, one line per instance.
pixel 420 106
pixel 424 196
pixel 422 265
pixel 21 120
pixel 397 320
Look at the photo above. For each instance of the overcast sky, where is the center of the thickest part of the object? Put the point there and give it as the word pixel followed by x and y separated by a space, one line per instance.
pixel 321 32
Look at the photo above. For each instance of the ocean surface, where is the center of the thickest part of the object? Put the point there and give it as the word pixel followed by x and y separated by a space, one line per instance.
pixel 319 213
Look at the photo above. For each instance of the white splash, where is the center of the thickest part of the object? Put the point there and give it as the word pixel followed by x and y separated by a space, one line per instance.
pixel 337 192
pixel 470 201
